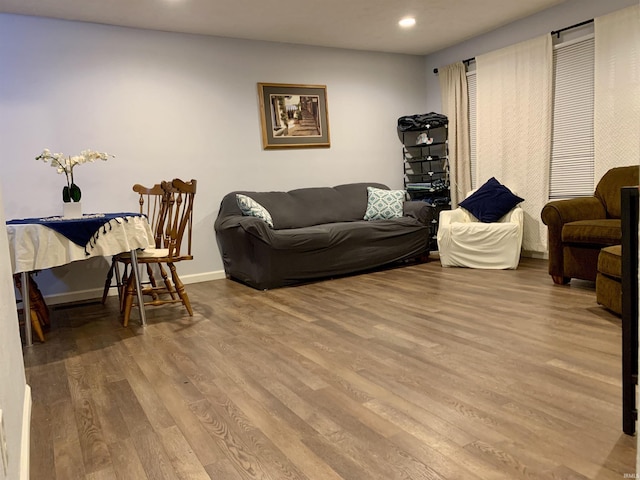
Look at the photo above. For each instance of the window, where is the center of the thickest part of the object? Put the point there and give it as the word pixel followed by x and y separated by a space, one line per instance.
pixel 572 156
pixel 572 145
pixel 471 93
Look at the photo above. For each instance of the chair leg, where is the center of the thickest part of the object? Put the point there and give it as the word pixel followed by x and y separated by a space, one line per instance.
pixel 129 293
pixel 116 269
pixel 180 288
pixel 167 282
pixel 560 280
pixel 107 283
pixel 38 304
pixel 152 282
pixel 35 324
pixel 123 286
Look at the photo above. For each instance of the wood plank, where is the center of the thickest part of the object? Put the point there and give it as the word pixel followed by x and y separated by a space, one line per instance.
pixel 94 448
pixel 153 456
pixel 125 460
pixel 184 461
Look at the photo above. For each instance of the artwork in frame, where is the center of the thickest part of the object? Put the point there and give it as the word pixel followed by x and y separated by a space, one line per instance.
pixel 293 116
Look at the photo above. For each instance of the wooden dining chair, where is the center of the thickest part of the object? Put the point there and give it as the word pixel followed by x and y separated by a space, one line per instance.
pixel 173 237
pixel 152 203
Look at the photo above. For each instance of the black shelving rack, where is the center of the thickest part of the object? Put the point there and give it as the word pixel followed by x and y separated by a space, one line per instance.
pixel 425 155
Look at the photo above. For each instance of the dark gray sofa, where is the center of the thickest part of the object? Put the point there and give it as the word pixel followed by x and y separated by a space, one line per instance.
pixel 317 233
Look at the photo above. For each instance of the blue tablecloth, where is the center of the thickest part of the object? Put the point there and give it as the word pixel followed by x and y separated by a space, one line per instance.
pixel 81 231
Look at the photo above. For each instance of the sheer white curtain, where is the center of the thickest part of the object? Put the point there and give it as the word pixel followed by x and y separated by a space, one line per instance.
pixel 514 105
pixel 617 90
pixel 453 88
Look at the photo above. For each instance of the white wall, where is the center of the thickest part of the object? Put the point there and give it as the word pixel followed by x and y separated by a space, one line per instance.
pixel 12 378
pixel 561 16
pixel 173 105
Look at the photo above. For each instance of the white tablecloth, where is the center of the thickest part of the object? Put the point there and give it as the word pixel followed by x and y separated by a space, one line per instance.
pixel 36 247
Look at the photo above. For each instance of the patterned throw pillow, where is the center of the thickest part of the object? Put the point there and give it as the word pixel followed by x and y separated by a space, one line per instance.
pixel 251 208
pixel 384 204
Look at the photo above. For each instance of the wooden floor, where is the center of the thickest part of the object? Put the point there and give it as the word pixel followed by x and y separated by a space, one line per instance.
pixel 416 372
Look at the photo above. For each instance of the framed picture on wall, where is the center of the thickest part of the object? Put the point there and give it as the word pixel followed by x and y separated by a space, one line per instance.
pixel 293 116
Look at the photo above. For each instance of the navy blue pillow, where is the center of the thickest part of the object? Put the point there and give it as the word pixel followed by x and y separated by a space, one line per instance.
pixel 491 201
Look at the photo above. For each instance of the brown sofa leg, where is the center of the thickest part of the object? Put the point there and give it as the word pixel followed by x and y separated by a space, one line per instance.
pixel 558 280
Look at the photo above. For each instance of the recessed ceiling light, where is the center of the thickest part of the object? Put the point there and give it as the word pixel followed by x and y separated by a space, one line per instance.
pixel 407 22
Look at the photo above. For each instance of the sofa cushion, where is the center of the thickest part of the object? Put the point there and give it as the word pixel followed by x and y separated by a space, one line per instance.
pixel 491 201
pixel 610 261
pixel 307 206
pixel 384 204
pixel 595 232
pixel 345 234
pixel 609 293
pixel 250 207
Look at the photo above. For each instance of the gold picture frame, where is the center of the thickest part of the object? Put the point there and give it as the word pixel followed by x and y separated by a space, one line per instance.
pixel 293 116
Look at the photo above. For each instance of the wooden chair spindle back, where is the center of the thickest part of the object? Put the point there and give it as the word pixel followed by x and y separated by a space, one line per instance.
pixel 153 204
pixel 179 217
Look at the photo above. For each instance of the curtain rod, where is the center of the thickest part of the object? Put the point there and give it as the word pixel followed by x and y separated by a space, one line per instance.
pixel 466 62
pixel 554 32
pixel 558 32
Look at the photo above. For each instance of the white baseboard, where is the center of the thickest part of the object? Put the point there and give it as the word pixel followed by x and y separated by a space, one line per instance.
pixel 96 293
pixel 203 277
pixel 25 448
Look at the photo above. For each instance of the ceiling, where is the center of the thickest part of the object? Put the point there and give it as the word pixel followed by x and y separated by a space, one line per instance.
pixel 355 24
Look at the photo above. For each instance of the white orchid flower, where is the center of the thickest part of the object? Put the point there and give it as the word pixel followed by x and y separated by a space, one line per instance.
pixel 65 165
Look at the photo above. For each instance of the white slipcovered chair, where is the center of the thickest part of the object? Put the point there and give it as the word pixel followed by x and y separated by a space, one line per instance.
pixel 465 241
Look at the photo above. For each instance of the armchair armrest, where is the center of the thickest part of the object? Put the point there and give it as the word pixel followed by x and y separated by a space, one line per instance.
pixel 516 215
pixel 559 212
pixel 458 215
pixel 555 214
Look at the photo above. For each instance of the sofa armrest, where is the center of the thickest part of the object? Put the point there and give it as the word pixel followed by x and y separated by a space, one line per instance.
pixel 252 225
pixel 418 210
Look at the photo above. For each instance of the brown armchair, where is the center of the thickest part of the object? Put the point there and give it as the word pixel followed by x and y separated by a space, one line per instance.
pixel 579 227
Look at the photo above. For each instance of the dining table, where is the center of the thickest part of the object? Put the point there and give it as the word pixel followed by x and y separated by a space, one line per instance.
pixel 41 243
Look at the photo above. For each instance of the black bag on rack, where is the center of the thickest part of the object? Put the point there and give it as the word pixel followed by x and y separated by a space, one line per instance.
pixel 421 121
